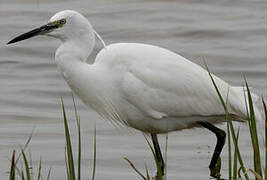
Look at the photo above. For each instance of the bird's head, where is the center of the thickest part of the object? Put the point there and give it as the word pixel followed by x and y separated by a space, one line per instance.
pixel 63 25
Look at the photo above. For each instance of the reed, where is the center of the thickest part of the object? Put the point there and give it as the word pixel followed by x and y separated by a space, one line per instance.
pixel 231 133
pixel 70 165
pixel 160 175
pixel 25 172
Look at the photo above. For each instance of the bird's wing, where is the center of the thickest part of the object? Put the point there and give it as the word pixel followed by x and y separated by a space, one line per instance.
pixel 174 91
pixel 161 83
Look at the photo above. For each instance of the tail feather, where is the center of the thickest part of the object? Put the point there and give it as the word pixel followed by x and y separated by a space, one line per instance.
pixel 242 105
pixel 254 96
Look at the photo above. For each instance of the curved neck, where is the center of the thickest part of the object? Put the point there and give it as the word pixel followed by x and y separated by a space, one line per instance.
pixel 79 47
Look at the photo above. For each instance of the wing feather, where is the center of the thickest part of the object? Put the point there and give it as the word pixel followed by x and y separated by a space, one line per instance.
pixel 160 83
pixel 173 92
pixel 166 84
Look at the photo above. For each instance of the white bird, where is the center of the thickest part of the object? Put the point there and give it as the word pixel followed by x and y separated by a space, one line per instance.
pixel 142 86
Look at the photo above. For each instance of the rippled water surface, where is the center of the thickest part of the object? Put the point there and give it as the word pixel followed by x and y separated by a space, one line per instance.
pixel 229 34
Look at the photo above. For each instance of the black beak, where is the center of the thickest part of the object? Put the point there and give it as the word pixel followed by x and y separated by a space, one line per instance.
pixel 38 31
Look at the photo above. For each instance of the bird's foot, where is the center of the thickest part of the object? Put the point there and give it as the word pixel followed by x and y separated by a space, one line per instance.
pixel 216 171
pixel 215 175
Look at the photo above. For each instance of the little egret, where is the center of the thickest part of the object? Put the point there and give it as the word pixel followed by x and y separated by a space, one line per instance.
pixel 142 86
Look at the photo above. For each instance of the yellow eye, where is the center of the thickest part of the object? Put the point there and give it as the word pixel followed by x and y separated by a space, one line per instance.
pixel 62 21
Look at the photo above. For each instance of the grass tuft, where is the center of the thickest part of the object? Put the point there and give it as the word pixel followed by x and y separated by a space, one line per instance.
pixel 229 121
pixel 70 165
pixel 159 175
pixel 25 171
pixel 26 164
pixel 253 133
pixel 68 145
pixel 257 172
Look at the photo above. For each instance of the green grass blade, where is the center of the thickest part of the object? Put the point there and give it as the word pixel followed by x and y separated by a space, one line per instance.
pixel 135 169
pixel 254 134
pixel 49 173
pixel 68 145
pixel 94 163
pixel 217 90
pixel 22 175
pixel 17 170
pixel 159 171
pixel 25 145
pixel 238 151
pixel 79 138
pixel 30 163
pixel 28 140
pixel 40 169
pixel 12 167
pixel 67 165
pixel 231 126
pixel 265 111
pixel 26 164
pixel 19 155
pixel 229 151
pixel 235 158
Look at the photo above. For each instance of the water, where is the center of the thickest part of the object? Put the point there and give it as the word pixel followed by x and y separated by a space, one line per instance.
pixel 229 34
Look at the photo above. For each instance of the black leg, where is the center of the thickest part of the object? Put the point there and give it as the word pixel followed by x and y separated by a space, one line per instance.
pixel 157 151
pixel 220 134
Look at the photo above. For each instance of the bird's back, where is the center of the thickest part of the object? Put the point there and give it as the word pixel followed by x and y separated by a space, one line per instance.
pixel 160 84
